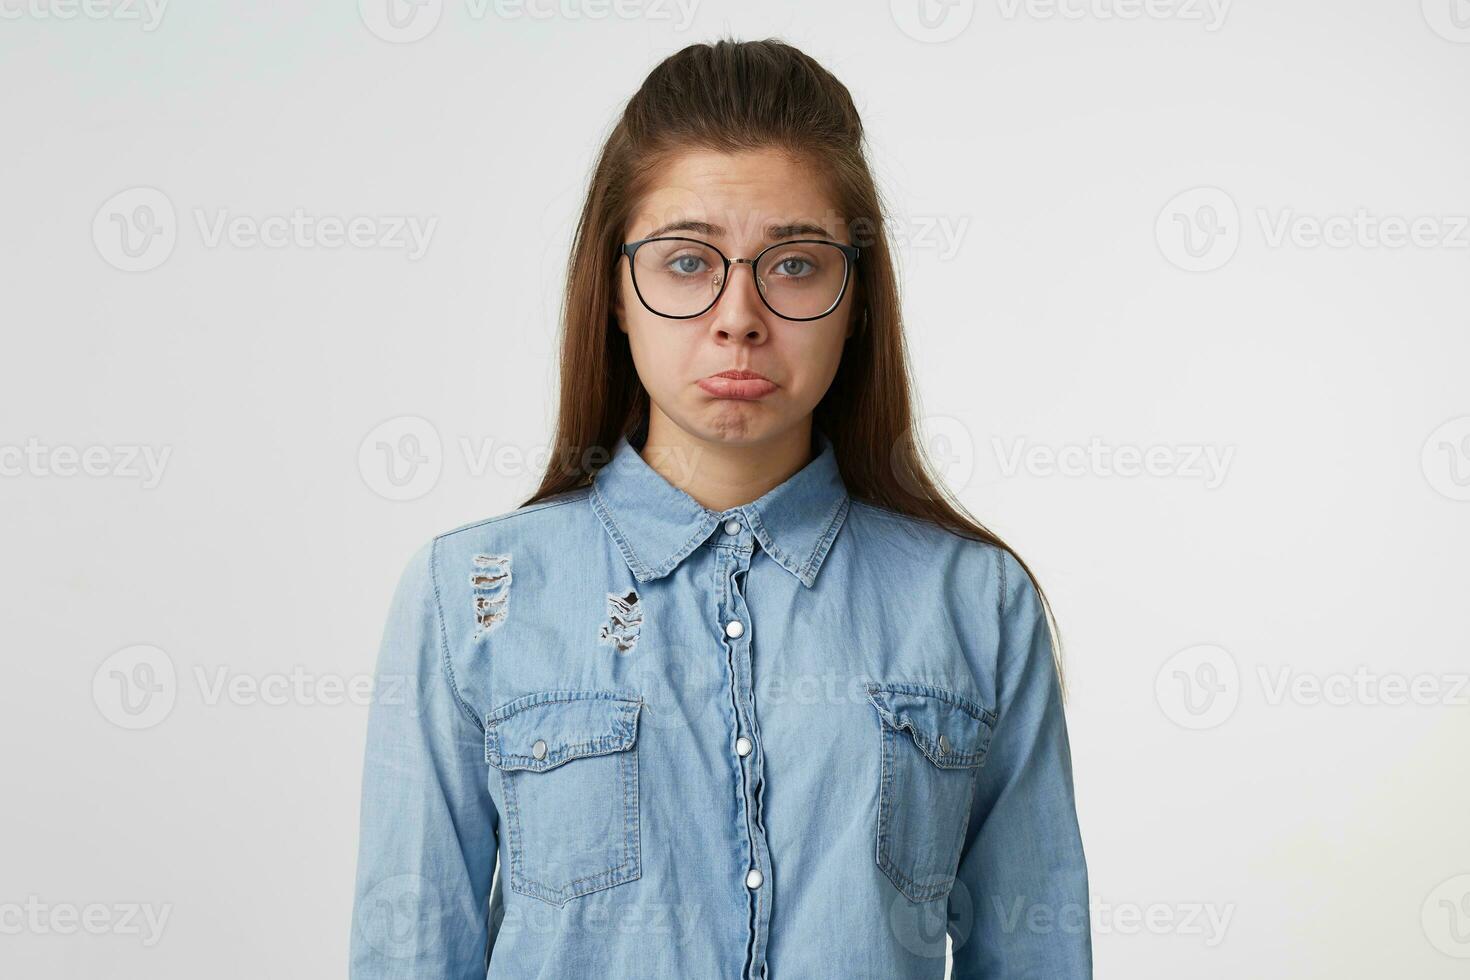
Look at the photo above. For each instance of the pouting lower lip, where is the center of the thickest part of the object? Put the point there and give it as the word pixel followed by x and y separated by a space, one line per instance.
pixel 737 387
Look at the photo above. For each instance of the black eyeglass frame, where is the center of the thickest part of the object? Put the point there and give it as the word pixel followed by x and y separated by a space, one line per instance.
pixel 849 252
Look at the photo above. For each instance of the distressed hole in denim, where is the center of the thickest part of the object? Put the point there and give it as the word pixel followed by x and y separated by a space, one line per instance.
pixel 624 621
pixel 491 582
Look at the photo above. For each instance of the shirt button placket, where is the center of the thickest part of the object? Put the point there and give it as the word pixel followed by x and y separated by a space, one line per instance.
pixel 737 613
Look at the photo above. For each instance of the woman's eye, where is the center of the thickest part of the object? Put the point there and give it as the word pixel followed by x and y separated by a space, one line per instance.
pixel 795 268
pixel 686 265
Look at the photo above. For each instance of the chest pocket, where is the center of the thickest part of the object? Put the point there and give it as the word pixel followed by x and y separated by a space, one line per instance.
pixel 568 764
pixel 933 744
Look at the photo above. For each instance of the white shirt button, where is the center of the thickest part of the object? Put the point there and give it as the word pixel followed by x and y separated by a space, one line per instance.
pixel 734 628
pixel 754 878
pixel 742 746
pixel 538 750
pixel 732 526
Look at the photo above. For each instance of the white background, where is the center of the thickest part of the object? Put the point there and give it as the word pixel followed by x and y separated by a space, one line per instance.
pixel 1033 157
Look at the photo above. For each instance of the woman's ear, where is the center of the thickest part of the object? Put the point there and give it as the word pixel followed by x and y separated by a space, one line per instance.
pixel 617 307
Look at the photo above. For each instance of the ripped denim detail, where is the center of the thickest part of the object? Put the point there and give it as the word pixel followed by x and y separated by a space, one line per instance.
pixel 624 621
pixel 491 582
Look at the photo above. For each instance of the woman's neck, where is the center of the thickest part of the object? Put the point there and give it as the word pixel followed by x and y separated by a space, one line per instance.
pixel 720 475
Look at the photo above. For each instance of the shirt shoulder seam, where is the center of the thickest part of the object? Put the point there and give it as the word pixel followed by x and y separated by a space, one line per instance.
pixel 571 497
pixel 446 662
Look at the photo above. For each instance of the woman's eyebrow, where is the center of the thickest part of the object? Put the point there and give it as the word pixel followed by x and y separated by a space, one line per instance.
pixel 773 231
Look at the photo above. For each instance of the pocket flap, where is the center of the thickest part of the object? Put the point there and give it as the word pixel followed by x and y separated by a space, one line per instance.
pixel 952 731
pixel 541 731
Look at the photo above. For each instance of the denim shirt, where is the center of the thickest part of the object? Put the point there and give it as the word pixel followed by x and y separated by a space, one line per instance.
pixel 805 737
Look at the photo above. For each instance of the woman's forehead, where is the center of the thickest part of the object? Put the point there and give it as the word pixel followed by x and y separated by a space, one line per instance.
pixel 747 196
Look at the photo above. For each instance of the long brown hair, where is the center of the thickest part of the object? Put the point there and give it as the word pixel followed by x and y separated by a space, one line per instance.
pixel 732 96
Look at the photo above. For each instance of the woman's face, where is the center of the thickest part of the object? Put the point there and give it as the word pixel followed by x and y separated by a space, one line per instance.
pixel 736 202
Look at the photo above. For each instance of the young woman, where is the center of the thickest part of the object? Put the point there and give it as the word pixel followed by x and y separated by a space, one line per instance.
pixel 738 692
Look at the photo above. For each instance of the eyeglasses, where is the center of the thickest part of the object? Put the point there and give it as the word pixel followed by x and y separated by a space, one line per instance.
pixel 681 278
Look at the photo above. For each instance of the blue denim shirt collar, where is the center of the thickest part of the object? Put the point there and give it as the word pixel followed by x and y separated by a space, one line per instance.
pixel 656 525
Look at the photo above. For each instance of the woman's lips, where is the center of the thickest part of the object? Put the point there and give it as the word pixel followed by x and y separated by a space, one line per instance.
pixel 745 385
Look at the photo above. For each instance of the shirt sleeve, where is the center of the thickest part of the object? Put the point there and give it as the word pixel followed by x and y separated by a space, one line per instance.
pixel 1019 906
pixel 426 853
